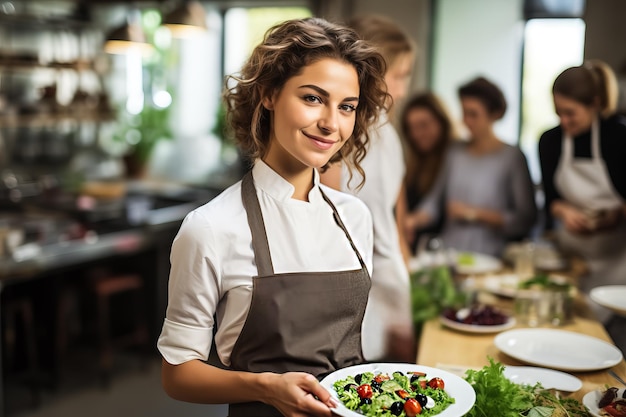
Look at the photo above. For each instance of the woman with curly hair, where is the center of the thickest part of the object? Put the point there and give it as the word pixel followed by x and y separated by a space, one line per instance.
pixel 273 275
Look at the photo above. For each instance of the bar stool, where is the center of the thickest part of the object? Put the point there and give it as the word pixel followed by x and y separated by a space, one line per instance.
pixel 23 306
pixel 105 288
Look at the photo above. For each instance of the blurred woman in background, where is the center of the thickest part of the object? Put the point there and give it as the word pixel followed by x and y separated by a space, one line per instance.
pixel 387 326
pixel 583 163
pixel 427 131
pixel 485 188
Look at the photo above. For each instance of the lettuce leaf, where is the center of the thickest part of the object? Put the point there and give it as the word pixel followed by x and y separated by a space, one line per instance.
pixel 496 395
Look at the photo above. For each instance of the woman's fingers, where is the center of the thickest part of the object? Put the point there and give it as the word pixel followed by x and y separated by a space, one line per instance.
pixel 295 395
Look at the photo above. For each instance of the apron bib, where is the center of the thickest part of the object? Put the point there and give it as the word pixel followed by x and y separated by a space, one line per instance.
pixel 297 322
pixel 586 184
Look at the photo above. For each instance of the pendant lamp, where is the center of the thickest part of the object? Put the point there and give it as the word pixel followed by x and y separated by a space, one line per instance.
pixel 187 20
pixel 128 38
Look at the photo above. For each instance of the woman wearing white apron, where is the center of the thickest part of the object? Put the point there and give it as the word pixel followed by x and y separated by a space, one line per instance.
pixel 584 175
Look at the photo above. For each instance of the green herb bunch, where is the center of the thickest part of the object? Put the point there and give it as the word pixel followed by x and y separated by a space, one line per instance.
pixel 432 290
pixel 496 395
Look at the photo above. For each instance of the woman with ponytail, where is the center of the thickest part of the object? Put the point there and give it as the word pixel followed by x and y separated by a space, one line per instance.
pixel 583 163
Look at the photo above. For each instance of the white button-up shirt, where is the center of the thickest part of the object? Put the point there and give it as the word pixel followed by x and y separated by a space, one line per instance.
pixel 212 261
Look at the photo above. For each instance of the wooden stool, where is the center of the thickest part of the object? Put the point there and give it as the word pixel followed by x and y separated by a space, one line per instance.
pixel 104 289
pixel 23 307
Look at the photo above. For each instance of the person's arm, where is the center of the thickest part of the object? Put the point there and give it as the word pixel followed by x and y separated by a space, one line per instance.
pixel 430 208
pixel 573 219
pixel 457 210
pixel 186 337
pixel 522 215
pixel 549 156
pixel 291 393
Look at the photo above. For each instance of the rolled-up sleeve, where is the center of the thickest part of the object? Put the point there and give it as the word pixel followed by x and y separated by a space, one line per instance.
pixel 193 293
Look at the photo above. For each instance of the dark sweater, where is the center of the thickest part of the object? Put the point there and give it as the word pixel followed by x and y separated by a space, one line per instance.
pixel 612 148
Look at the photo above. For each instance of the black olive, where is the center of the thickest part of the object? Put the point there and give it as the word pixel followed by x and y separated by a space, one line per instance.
pixel 350 386
pixel 358 378
pixel 376 386
pixel 624 394
pixel 422 399
pixel 396 408
pixel 366 401
pixel 608 397
pixel 414 379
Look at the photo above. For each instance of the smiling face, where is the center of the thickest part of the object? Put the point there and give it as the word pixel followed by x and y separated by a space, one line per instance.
pixel 424 129
pixel 476 117
pixel 575 117
pixel 313 116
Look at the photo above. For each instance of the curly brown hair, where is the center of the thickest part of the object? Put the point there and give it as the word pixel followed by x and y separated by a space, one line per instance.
pixel 284 51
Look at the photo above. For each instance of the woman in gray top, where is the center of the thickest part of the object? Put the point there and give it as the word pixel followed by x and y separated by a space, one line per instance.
pixel 484 191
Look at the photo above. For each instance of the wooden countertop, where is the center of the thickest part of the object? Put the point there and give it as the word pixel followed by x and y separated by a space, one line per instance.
pixel 442 347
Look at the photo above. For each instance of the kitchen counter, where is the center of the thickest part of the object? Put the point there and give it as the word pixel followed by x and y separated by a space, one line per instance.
pixel 146 214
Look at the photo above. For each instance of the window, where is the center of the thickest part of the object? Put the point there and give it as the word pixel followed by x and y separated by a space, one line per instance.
pixel 550 46
pixel 186 85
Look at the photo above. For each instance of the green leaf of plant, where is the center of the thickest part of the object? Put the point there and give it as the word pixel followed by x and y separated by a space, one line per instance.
pixel 540 412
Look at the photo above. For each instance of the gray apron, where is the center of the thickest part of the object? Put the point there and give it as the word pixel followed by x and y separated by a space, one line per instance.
pixel 586 184
pixel 297 322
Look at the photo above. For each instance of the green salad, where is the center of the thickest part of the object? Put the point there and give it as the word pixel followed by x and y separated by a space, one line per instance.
pixel 397 394
pixel 466 259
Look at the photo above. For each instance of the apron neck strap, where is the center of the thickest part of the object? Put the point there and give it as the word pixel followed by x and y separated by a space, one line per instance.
pixel 343 227
pixel 260 244
pixel 568 143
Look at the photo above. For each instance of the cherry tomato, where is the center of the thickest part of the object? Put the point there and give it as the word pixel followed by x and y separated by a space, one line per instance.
pixel 381 378
pixel 364 391
pixel 402 393
pixel 412 407
pixel 616 409
pixel 436 383
pixel 423 383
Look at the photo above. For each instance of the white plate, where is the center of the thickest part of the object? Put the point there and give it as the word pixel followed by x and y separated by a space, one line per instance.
pixel 558 349
pixel 456 387
pixel 482 264
pixel 477 328
pixel 548 378
pixel 612 297
pixel 504 285
pixel 591 399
